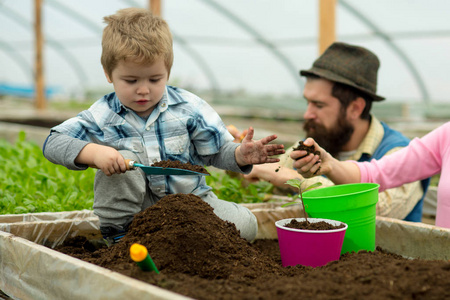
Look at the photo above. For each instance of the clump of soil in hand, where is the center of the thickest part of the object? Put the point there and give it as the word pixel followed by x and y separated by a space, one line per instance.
pixel 308 149
pixel 203 257
pixel 312 226
pixel 179 165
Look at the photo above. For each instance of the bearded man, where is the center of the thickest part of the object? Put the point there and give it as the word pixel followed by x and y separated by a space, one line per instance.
pixel 340 88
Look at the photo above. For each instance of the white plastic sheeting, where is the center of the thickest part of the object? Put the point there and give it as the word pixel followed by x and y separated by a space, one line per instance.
pixel 413 240
pixel 46 216
pixel 52 228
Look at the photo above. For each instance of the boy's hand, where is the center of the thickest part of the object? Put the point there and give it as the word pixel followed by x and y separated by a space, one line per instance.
pixel 110 161
pixel 105 158
pixel 257 152
pixel 309 165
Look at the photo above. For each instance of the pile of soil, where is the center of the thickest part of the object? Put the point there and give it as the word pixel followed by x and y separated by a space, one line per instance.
pixel 179 165
pixel 203 257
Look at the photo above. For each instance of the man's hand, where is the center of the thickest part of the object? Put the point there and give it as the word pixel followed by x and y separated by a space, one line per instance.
pixel 309 165
pixel 257 152
pixel 337 171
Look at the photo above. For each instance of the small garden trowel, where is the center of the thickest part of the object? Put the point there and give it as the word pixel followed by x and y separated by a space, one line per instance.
pixel 131 165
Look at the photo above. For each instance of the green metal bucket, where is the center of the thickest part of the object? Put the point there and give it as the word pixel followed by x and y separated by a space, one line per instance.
pixel 353 204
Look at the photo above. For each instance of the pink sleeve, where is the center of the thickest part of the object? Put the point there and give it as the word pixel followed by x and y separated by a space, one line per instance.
pixel 421 159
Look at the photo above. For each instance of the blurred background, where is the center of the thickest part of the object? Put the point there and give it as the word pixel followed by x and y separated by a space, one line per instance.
pixel 242 56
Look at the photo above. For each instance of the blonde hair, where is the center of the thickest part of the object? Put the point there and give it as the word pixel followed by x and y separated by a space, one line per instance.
pixel 136 34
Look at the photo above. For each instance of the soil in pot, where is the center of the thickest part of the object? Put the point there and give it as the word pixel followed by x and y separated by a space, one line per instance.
pixel 203 257
pixel 312 226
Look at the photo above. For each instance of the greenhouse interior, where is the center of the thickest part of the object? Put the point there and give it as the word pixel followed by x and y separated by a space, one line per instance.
pixel 268 74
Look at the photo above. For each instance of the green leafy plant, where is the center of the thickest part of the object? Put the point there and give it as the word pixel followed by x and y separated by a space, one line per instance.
pixel 296 182
pixel 30 183
pixel 232 188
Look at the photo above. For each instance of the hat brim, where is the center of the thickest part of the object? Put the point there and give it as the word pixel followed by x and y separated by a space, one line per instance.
pixel 326 74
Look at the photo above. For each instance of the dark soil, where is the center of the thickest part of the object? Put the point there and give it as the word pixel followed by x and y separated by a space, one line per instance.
pixel 203 257
pixel 312 226
pixel 179 165
pixel 308 149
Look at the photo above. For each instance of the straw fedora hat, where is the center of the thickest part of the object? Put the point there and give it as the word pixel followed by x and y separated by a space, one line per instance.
pixel 350 65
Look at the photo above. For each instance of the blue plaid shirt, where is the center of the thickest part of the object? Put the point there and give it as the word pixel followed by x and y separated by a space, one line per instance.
pixel 182 127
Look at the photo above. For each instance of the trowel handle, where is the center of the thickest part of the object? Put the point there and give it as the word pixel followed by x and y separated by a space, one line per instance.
pixel 130 164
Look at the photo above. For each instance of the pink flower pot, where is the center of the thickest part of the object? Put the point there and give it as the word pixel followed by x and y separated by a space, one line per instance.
pixel 309 247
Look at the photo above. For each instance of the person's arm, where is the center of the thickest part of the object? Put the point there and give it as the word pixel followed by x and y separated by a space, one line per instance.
pixel 251 152
pixel 421 159
pixel 76 154
pixel 62 149
pixel 273 173
pixel 339 172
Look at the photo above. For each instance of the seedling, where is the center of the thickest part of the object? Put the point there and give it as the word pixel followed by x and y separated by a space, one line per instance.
pixel 298 183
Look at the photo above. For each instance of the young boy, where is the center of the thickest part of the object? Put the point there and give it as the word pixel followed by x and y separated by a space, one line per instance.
pixel 146 121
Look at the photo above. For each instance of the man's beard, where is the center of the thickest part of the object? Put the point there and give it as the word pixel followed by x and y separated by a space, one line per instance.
pixel 332 140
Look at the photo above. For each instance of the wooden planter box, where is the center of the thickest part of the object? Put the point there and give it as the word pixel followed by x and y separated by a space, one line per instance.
pixel 29 270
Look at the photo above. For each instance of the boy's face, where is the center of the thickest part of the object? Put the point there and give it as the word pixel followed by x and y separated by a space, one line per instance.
pixel 139 87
